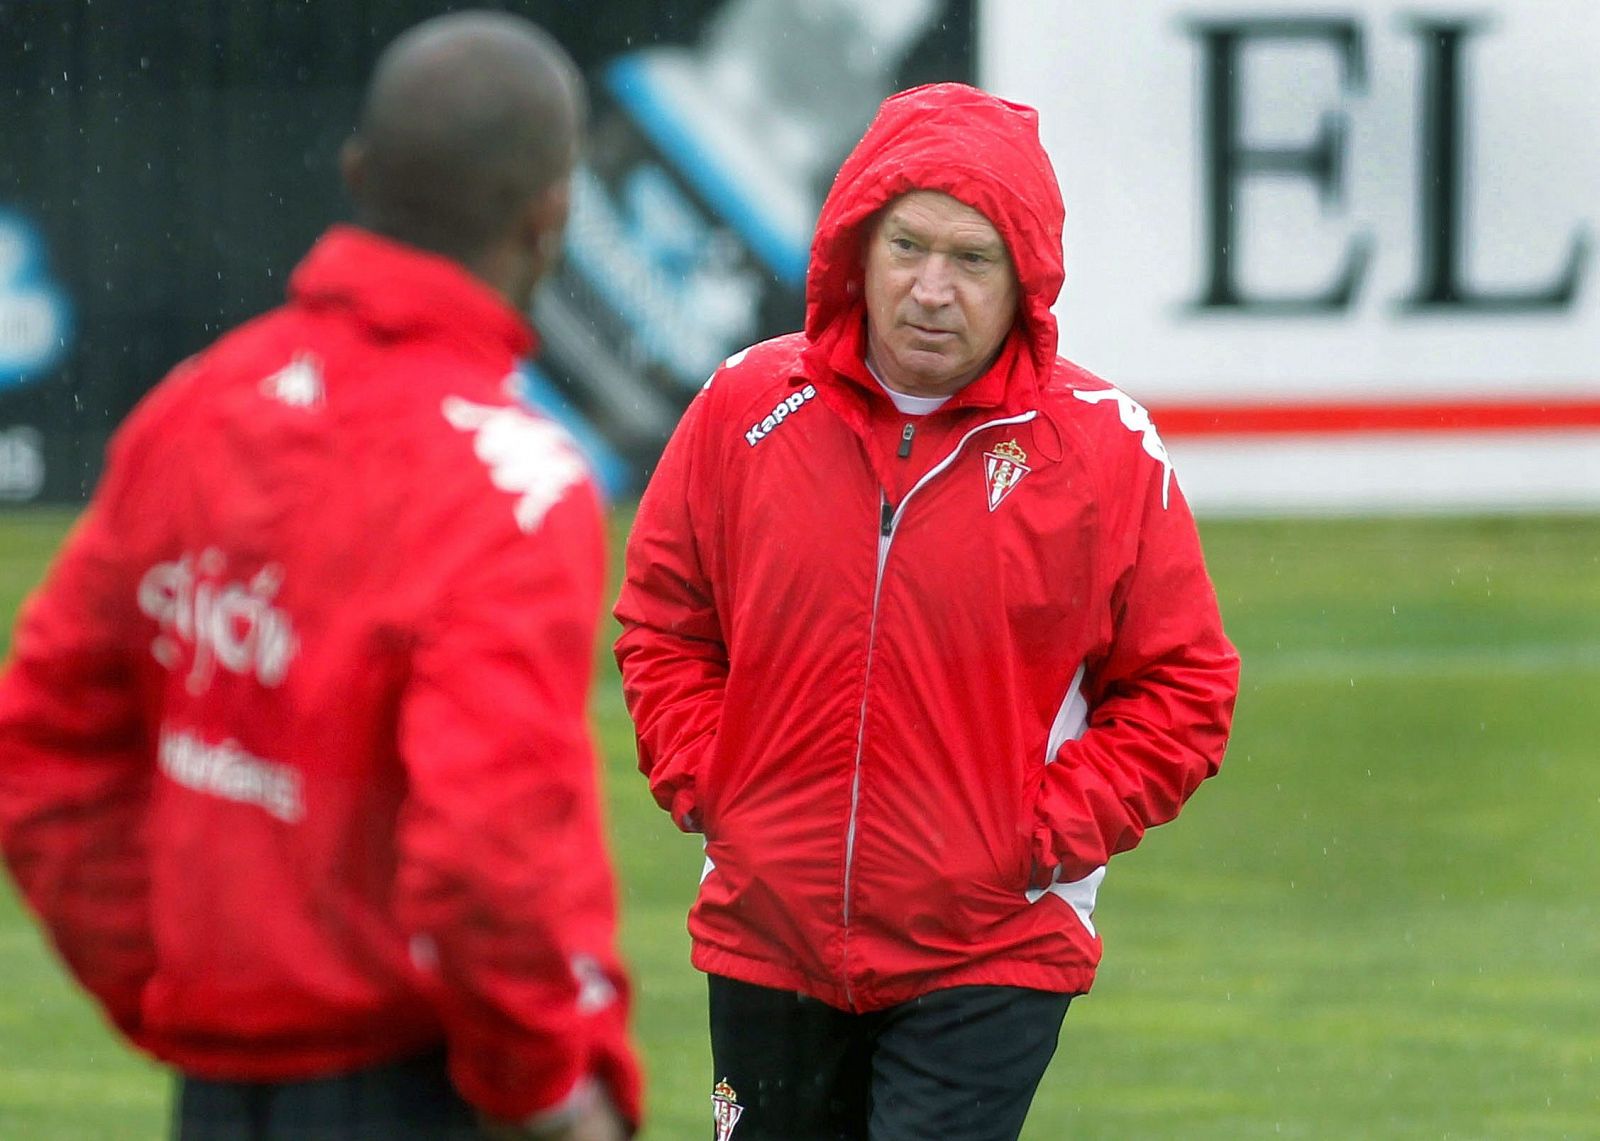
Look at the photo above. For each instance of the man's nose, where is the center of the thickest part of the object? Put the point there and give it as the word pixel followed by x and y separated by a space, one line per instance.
pixel 935 283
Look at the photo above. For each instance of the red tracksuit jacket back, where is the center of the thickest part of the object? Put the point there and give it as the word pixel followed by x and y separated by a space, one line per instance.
pixel 293 756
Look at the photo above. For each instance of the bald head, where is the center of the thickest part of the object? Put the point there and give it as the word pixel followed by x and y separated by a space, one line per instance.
pixel 469 119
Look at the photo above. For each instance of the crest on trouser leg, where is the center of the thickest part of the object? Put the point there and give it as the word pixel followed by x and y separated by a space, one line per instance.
pixel 725 1109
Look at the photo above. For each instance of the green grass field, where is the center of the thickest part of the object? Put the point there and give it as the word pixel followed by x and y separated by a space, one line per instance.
pixel 1380 921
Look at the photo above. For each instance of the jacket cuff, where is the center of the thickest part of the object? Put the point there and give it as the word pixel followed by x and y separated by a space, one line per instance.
pixel 521 1090
pixel 1068 854
pixel 684 813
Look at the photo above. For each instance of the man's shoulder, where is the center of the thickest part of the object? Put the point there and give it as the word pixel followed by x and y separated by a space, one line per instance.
pixel 1117 428
pixel 477 458
pixel 1077 395
pixel 444 432
pixel 178 405
pixel 769 364
pixel 757 388
pixel 520 452
pixel 1069 378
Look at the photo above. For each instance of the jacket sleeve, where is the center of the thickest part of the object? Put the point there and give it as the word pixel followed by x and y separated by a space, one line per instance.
pixel 75 771
pixel 504 879
pixel 672 653
pixel 1160 700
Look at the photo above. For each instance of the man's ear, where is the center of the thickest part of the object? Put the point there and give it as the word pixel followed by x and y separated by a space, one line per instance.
pixel 353 167
pixel 536 239
pixel 542 222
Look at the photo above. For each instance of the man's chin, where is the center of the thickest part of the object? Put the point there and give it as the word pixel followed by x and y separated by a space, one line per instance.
pixel 927 358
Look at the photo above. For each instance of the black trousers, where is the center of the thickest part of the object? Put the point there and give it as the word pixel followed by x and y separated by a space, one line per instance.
pixel 955 1065
pixel 404 1101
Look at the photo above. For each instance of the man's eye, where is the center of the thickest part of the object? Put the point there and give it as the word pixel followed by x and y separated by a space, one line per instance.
pixel 902 245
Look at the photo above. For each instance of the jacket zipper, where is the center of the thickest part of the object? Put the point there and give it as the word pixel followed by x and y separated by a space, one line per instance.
pixel 888 518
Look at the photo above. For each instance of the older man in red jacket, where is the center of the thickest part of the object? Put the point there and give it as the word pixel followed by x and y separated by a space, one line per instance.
pixel 293 756
pixel 917 632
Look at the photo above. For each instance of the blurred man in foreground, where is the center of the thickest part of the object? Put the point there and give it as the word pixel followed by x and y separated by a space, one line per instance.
pixel 294 765
pixel 917 632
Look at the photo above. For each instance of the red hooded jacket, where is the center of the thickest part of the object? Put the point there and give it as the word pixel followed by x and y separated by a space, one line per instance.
pixel 293 756
pixel 916 702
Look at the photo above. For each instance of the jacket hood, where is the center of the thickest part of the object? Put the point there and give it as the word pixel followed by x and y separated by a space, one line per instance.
pixel 399 289
pixel 975 147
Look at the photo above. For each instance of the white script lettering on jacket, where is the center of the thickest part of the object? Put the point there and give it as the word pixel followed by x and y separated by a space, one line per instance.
pixel 223 769
pixel 231 625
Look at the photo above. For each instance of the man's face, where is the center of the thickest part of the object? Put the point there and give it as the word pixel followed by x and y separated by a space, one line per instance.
pixel 941 294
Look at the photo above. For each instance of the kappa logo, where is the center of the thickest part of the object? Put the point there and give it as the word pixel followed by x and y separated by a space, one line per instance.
pixel 298 383
pixel 725 1109
pixel 786 408
pixel 532 458
pixel 1004 465
pixel 1136 419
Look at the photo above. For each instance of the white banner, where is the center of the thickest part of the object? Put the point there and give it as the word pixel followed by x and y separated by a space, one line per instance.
pixel 1346 255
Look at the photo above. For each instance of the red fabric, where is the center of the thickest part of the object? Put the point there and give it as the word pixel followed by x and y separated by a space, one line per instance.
pixel 868 750
pixel 293 756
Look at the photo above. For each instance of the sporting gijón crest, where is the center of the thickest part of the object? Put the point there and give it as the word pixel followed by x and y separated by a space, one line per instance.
pixel 725 1110
pixel 1004 465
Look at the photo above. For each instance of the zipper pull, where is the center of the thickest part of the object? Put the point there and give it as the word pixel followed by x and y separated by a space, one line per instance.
pixel 886 519
pixel 905 440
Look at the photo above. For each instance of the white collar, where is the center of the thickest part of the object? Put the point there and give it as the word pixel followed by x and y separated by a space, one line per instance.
pixel 904 402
